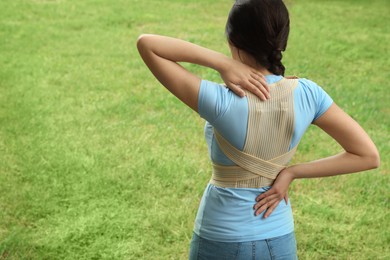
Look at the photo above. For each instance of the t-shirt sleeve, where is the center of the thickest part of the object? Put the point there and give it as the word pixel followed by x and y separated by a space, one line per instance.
pixel 312 100
pixel 213 100
pixel 323 101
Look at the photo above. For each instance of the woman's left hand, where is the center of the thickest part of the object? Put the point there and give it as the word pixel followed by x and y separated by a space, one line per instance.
pixel 238 76
pixel 270 199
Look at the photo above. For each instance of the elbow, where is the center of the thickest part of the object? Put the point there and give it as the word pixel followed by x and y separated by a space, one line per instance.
pixel 373 160
pixel 376 160
pixel 367 160
pixel 142 41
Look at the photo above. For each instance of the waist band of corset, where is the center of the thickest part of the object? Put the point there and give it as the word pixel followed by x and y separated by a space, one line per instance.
pixel 251 172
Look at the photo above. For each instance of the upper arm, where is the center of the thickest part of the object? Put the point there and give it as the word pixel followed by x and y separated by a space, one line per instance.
pixel 179 81
pixel 346 131
pixel 214 100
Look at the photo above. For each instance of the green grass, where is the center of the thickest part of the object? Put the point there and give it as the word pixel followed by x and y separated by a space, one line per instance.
pixel 98 161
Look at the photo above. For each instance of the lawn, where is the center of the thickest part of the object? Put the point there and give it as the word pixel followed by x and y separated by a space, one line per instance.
pixel 98 161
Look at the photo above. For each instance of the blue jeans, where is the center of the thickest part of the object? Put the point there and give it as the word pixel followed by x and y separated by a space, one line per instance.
pixel 277 248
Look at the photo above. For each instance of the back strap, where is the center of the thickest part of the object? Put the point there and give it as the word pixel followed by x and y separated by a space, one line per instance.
pixel 269 169
pixel 260 161
pixel 237 177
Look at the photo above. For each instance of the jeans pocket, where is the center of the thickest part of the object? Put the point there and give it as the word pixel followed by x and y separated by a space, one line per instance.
pixel 204 249
pixel 283 247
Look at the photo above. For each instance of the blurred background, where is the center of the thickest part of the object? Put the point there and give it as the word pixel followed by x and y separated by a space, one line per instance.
pixel 99 161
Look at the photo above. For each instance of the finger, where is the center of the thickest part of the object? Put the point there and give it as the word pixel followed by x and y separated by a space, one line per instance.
pixel 286 198
pixel 261 81
pixel 265 206
pixel 264 84
pixel 258 74
pixel 265 194
pixel 252 87
pixel 236 89
pixel 261 75
pixel 263 89
pixel 265 201
pixel 271 209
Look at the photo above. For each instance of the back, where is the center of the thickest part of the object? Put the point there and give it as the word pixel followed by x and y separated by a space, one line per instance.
pixel 229 114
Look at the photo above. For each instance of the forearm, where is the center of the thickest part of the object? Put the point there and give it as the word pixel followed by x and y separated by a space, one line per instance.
pixel 177 50
pixel 342 163
pixel 359 154
pixel 162 55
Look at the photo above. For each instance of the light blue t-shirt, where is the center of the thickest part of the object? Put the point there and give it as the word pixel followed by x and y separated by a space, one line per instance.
pixel 226 214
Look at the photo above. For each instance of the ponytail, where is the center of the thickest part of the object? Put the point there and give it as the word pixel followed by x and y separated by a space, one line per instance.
pixel 276 65
pixel 260 28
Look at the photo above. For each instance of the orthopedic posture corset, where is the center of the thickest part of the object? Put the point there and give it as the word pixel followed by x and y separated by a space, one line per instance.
pixel 266 150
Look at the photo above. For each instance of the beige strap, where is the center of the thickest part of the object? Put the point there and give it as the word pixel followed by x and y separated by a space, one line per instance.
pixel 271 123
pixel 254 164
pixel 237 177
pixel 261 159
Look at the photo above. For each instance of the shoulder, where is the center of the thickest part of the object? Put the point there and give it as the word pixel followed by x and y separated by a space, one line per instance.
pixel 212 94
pixel 207 85
pixel 308 85
pixel 311 88
pixel 313 95
pixel 215 100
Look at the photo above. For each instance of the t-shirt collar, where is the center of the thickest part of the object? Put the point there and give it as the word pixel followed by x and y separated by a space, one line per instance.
pixel 273 78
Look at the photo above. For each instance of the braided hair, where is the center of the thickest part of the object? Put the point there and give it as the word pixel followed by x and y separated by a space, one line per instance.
pixel 260 28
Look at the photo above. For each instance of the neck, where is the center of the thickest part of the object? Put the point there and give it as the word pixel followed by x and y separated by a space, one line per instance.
pixel 252 63
pixel 247 59
pixel 264 71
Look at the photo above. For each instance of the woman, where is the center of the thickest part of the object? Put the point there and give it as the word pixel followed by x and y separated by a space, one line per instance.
pixel 251 139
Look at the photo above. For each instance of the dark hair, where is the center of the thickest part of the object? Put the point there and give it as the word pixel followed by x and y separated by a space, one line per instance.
pixel 260 28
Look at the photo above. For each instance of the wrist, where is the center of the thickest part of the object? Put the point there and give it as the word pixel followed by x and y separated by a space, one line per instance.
pixel 289 171
pixel 223 63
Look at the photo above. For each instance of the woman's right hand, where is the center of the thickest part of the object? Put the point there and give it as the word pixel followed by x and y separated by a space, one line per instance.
pixel 238 76
pixel 270 199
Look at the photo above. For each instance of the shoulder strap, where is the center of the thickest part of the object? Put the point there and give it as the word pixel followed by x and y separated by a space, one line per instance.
pixel 270 120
